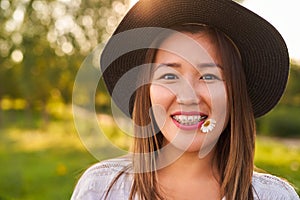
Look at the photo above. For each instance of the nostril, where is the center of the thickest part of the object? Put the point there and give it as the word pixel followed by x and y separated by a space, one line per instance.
pixel 188 100
pixel 187 93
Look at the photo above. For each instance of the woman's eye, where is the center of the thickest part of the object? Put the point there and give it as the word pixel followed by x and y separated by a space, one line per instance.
pixel 169 77
pixel 209 77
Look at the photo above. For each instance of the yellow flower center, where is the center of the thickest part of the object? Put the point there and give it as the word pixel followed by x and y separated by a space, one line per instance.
pixel 206 124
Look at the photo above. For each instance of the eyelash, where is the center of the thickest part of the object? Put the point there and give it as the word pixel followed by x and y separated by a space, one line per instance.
pixel 211 77
pixel 168 75
pixel 205 77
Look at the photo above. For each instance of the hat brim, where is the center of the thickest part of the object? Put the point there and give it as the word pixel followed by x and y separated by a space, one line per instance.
pixel 263 51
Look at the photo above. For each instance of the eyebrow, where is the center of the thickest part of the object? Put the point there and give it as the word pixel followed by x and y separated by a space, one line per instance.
pixel 210 65
pixel 201 65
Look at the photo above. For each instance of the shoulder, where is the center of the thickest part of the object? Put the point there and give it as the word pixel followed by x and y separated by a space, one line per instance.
pixel 96 180
pixel 267 186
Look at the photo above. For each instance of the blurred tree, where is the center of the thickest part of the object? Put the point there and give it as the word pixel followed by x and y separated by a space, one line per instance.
pixel 292 94
pixel 284 120
pixel 42 44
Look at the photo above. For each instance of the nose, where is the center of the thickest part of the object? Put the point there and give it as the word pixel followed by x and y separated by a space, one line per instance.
pixel 187 94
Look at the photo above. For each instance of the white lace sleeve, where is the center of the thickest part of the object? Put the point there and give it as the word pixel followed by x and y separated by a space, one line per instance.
pixel 268 187
pixel 94 183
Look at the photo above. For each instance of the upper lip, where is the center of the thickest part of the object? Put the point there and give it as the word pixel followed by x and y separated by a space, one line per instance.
pixel 189 113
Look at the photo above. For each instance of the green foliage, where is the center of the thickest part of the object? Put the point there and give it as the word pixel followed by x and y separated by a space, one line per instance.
pixel 284 121
pixel 292 94
pixel 43 43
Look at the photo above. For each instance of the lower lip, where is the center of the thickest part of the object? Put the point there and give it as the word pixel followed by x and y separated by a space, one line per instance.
pixel 188 127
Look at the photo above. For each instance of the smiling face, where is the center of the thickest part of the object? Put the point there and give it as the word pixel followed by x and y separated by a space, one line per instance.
pixel 187 89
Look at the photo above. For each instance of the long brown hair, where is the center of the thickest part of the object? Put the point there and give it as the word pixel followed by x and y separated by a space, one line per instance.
pixel 235 147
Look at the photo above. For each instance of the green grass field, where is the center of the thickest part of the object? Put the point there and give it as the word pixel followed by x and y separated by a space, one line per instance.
pixel 44 161
pixel 280 157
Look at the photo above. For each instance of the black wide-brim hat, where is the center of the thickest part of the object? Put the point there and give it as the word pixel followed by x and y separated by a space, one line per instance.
pixel 263 51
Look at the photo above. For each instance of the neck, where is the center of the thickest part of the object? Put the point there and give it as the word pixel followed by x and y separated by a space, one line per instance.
pixel 188 176
pixel 187 165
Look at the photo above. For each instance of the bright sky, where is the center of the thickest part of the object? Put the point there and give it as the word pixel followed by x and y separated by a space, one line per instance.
pixel 281 14
pixel 284 15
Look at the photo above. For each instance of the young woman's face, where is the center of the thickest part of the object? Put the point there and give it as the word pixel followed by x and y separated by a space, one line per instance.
pixel 187 89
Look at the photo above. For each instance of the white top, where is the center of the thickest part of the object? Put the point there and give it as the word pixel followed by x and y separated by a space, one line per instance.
pixel 95 181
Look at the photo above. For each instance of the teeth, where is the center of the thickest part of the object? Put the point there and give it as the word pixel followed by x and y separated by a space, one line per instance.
pixel 188 119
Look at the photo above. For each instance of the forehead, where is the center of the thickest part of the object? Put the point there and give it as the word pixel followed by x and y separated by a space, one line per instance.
pixel 195 48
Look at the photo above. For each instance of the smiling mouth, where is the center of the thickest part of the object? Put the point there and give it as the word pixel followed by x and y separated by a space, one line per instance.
pixel 189 120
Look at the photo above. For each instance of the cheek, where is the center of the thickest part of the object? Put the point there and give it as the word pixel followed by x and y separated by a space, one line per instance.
pixel 219 104
pixel 220 101
pixel 220 113
pixel 161 96
pixel 161 99
pixel 218 96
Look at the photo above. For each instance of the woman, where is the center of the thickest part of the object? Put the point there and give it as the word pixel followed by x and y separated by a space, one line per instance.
pixel 206 70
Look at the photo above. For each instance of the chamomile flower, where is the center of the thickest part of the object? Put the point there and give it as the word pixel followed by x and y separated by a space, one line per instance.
pixel 208 125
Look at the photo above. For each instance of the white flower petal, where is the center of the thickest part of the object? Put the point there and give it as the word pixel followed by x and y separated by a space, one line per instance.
pixel 208 125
